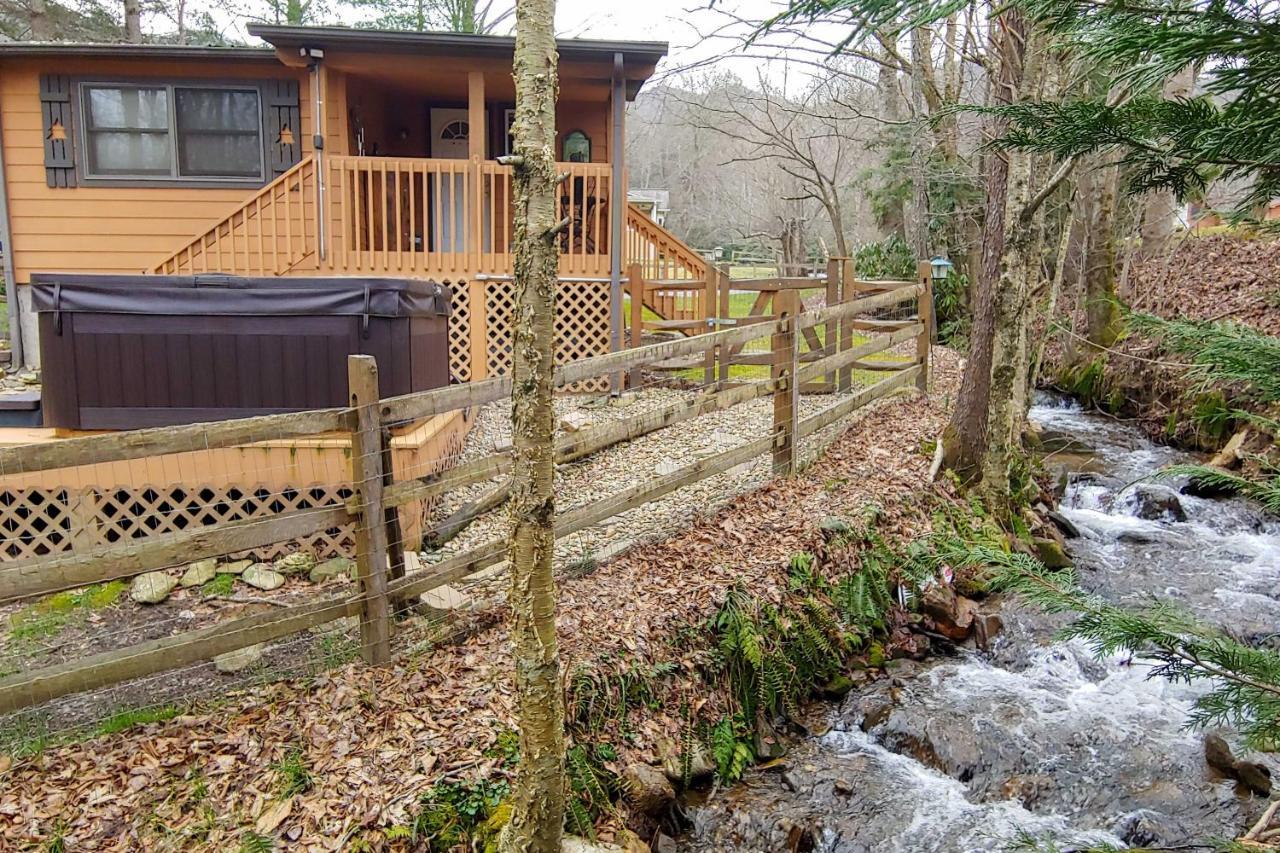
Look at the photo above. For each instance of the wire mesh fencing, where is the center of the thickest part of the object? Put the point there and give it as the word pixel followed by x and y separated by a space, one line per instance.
pixel 362 532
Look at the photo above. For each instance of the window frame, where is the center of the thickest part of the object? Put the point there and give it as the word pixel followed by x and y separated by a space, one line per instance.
pixel 173 178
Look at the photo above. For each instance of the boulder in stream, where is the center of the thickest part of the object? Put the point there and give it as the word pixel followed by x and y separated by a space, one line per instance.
pixel 1156 503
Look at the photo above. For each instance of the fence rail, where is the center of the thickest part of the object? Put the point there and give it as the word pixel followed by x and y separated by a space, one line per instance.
pixel 377 497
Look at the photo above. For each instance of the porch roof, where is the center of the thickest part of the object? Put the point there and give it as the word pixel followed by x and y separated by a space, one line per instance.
pixel 639 58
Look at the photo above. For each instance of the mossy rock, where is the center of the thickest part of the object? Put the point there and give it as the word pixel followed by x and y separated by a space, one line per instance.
pixel 1052 554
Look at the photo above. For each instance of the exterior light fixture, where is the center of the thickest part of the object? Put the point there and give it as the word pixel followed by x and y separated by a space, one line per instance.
pixel 941 267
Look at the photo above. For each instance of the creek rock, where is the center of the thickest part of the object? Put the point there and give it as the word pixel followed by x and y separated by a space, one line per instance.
pixel 334 567
pixel 199 573
pixel 1253 775
pixel 838 687
pixel 1198 488
pixel 1052 554
pixel 1155 503
pixel 239 659
pixel 701 765
pixel 1064 524
pixel 952 614
pixel 262 576
pixel 647 789
pixel 235 567
pixel 151 587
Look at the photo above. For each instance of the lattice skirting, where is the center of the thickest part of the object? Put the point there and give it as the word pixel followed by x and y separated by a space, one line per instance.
pixel 39 521
pixel 582 327
pixel 460 334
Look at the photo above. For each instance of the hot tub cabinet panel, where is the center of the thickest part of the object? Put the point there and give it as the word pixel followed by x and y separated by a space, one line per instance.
pixel 124 352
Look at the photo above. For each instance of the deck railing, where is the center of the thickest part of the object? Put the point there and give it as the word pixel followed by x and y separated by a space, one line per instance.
pixel 453 217
pixel 397 215
pixel 270 234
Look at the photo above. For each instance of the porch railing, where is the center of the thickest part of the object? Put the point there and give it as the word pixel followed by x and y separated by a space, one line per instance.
pixel 453 217
pixel 397 215
pixel 272 233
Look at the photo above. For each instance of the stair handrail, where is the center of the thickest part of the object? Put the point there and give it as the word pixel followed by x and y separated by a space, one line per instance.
pixel 171 261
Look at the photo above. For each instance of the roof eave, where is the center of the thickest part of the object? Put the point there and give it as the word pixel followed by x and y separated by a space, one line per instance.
pixel 459 43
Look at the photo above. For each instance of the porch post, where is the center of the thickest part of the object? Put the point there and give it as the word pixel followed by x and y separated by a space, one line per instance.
pixel 475 151
pixel 617 208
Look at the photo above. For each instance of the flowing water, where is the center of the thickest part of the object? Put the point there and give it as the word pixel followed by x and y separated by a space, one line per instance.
pixel 1035 739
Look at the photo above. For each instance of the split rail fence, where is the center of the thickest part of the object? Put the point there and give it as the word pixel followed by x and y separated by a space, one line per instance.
pixel 385 578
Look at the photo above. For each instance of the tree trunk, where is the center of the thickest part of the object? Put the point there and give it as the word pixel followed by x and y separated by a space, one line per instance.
pixel 965 438
pixel 39 22
pixel 538 797
pixel 1102 312
pixel 133 21
pixel 1160 211
pixel 917 223
pixel 793 253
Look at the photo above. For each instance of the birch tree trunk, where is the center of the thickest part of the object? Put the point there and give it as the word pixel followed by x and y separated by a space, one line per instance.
pixel 133 21
pixel 537 818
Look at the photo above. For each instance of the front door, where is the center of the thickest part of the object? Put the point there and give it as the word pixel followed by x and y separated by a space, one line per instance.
pixel 450 140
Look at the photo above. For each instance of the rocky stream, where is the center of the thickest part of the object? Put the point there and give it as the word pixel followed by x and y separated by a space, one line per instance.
pixel 1033 738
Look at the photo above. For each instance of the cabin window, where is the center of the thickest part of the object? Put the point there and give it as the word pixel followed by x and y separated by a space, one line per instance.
pixel 577 147
pixel 200 133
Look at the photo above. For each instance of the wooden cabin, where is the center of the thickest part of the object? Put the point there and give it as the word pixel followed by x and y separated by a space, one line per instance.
pixel 327 152
pixel 332 151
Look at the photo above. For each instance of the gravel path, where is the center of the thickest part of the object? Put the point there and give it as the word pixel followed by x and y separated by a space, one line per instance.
pixel 621 466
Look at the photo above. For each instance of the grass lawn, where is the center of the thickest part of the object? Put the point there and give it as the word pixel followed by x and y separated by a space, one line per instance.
pixel 740 304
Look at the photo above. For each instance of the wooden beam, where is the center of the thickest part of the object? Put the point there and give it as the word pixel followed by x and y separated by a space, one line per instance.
pixel 87 673
pixel 160 441
pixel 835 412
pixel 124 559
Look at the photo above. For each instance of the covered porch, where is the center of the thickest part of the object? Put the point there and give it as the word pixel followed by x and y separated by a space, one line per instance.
pixel 403 176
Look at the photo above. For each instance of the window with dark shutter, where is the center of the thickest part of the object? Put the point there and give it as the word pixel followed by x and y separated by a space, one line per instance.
pixel 55 112
pixel 283 115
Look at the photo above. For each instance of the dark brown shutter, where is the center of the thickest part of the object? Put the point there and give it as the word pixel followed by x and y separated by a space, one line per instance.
pixel 59 148
pixel 282 113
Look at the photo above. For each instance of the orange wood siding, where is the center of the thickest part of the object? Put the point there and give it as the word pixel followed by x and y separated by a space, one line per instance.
pixel 592 118
pixel 107 229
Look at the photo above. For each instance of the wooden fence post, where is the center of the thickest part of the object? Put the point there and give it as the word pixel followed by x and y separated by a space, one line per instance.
pixel 848 293
pixel 371 529
pixel 783 344
pixel 831 332
pixel 924 274
pixel 710 292
pixel 635 286
pixel 723 354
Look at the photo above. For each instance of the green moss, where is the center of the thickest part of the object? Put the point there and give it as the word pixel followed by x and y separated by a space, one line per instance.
pixel 47 617
pixel 219 585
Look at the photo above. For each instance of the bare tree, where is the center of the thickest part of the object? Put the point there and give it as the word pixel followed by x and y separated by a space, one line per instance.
pixel 810 139
pixel 537 817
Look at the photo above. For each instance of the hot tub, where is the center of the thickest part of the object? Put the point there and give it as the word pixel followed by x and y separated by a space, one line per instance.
pixel 131 351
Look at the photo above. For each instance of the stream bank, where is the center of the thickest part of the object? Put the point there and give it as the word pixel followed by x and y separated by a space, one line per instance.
pixel 1034 738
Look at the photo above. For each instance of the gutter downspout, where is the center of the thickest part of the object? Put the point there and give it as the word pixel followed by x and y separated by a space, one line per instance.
pixel 317 144
pixel 618 196
pixel 10 279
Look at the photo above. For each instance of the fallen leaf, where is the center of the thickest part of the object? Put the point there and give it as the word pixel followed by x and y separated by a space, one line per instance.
pixel 274 816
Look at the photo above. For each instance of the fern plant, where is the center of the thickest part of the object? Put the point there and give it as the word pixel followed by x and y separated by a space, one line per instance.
pixel 731 748
pixel 1265 492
